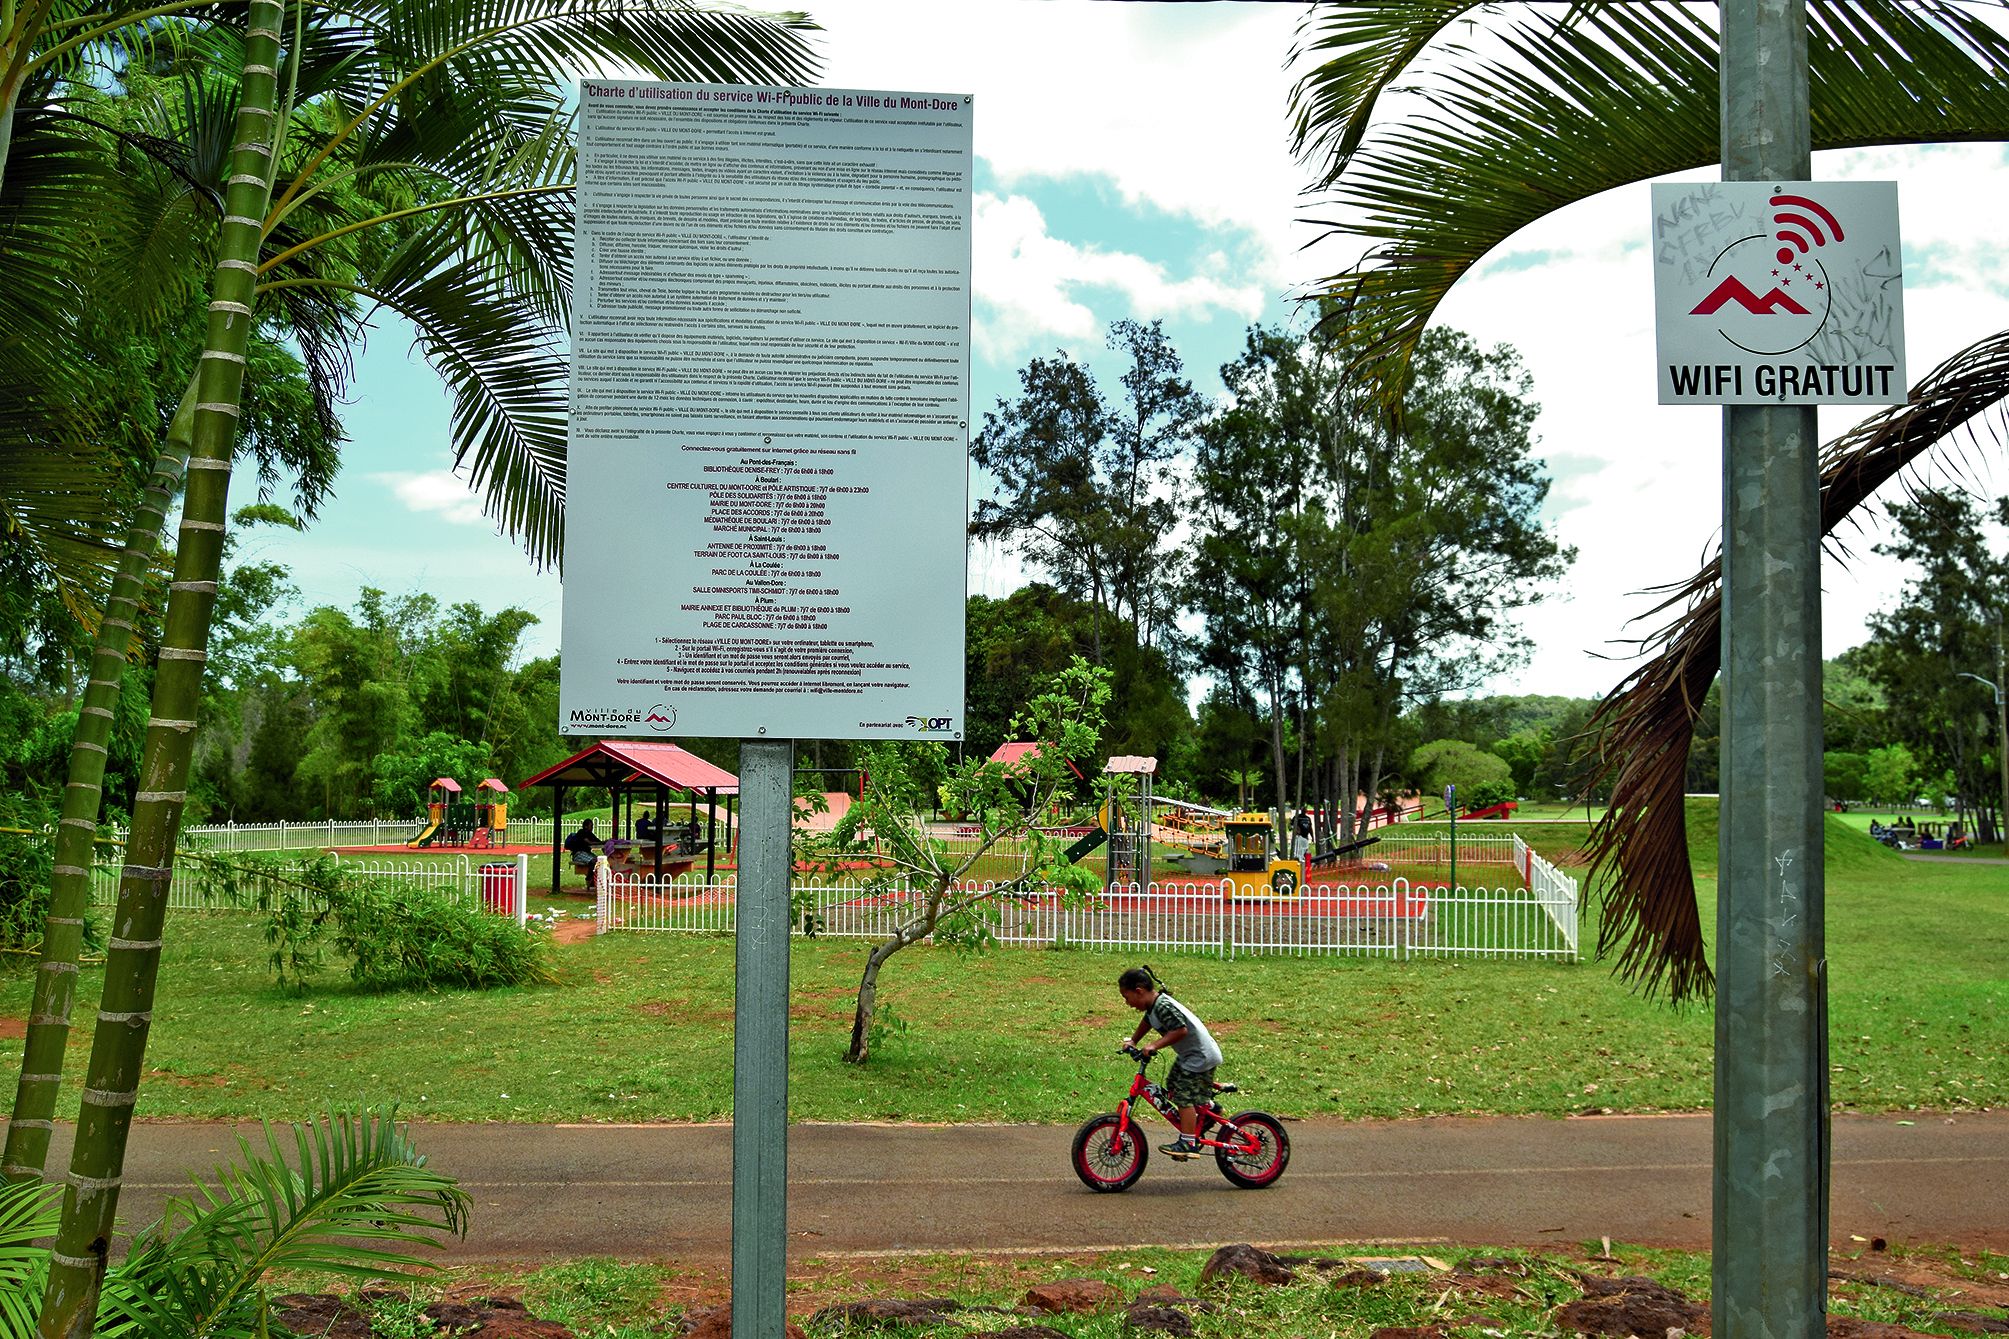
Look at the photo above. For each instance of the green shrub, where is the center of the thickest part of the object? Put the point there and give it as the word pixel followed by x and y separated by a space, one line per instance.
pixel 1486 794
pixel 404 935
pixel 25 870
pixel 396 935
pixel 26 867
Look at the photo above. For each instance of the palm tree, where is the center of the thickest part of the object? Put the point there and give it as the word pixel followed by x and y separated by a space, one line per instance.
pixel 122 315
pixel 1576 102
pixel 445 104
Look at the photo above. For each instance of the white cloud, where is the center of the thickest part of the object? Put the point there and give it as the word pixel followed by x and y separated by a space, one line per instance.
pixel 1032 288
pixel 438 492
pixel 1178 107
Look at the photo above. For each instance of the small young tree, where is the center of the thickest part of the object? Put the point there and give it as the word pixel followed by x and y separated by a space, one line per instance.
pixel 1004 802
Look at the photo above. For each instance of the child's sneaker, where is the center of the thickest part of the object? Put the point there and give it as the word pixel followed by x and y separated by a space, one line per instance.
pixel 1181 1149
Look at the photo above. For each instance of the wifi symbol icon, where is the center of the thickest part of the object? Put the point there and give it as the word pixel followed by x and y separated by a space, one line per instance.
pixel 1800 222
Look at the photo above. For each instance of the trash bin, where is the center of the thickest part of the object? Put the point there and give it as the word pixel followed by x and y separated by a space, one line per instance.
pixel 498 888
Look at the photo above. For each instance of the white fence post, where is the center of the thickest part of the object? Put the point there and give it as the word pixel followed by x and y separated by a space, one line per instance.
pixel 522 889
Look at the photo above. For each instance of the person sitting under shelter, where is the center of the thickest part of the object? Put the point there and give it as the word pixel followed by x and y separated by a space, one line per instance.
pixel 584 846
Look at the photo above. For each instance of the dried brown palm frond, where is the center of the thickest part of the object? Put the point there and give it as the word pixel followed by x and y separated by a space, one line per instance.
pixel 1641 731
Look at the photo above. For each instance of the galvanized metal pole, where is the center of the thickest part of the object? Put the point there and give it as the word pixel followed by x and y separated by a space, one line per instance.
pixel 1771 1115
pixel 760 1042
pixel 2002 732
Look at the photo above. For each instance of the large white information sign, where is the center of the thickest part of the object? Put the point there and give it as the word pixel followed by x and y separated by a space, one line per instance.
pixel 1778 293
pixel 767 486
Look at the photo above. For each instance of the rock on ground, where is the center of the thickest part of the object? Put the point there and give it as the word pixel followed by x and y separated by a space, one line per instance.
pixel 1072 1295
pixel 1246 1261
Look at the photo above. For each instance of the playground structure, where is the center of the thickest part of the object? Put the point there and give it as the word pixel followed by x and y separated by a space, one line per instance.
pixel 452 822
pixel 1242 849
pixel 1257 869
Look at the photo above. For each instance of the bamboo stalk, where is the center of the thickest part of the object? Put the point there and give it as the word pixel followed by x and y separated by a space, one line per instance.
pixel 48 1034
pixel 125 1013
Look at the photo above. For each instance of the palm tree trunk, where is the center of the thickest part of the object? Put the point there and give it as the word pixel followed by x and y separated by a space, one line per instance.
pixel 83 797
pixel 8 98
pixel 22 24
pixel 125 1013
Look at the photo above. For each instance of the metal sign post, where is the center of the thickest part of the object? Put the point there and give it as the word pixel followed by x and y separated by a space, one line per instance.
pixel 1451 808
pixel 760 1041
pixel 1771 1100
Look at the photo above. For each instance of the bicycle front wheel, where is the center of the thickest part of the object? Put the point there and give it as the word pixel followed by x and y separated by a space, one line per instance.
pixel 1108 1158
pixel 1258 1150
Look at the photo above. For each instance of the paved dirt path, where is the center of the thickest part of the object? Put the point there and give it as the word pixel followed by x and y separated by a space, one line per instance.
pixel 664 1192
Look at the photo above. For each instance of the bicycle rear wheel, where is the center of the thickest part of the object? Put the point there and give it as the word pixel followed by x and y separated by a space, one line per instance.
pixel 1261 1164
pixel 1107 1158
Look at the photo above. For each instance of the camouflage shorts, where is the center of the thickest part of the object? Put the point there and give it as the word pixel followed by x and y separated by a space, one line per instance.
pixel 1190 1087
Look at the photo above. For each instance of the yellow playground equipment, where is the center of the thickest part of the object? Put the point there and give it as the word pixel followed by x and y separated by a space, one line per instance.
pixel 443 804
pixel 1256 872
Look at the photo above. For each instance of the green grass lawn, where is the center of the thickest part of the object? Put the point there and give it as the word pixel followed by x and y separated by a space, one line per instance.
pixel 639 1027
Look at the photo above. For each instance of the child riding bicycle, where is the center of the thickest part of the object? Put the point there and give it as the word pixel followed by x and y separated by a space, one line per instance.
pixel 1191 1082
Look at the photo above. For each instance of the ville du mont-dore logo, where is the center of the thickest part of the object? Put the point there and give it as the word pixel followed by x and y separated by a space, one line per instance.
pixel 1772 301
pixel 661 717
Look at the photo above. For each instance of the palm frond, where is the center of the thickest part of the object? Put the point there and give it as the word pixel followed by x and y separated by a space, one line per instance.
pixel 1651 922
pixel 509 378
pixel 1579 103
pixel 29 1211
pixel 1370 46
pixel 354 1200
pixel 58 493
pixel 665 39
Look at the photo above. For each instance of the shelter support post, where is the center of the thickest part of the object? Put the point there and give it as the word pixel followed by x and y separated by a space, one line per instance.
pixel 1771 1113
pixel 557 836
pixel 760 1044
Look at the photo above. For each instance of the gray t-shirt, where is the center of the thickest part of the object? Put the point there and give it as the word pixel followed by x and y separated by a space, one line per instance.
pixel 1197 1050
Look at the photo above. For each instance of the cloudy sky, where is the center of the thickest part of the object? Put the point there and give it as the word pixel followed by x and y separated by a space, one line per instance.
pixel 1132 162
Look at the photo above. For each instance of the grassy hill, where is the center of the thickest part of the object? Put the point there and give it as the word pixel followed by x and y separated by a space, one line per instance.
pixel 1846 850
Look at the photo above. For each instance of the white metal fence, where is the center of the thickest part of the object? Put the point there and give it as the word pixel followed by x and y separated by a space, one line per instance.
pixel 1396 917
pixel 502 885
pixel 1394 845
pixel 1553 891
pixel 334 832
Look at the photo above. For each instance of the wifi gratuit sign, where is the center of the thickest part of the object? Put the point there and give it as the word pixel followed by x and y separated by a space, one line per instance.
pixel 1778 293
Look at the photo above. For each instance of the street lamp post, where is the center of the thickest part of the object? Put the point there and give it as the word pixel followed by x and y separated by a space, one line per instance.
pixel 2001 731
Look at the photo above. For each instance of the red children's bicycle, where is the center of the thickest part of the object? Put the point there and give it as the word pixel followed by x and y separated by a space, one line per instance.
pixel 1110 1150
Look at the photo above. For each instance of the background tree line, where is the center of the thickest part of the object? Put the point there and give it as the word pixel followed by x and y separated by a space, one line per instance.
pixel 1243 535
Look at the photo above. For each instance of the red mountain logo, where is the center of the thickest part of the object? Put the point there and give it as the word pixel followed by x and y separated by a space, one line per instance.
pixel 1733 290
pixel 661 717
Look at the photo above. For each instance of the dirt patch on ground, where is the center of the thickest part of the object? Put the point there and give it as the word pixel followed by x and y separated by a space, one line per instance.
pixel 168 1076
pixel 1913 1274
pixel 574 931
pixel 13 1029
pixel 683 1013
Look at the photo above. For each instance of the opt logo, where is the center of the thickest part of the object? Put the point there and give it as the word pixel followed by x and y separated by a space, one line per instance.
pixel 931 724
pixel 661 717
